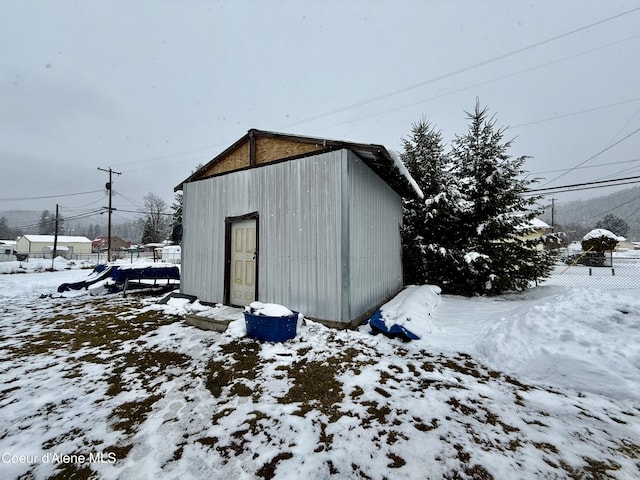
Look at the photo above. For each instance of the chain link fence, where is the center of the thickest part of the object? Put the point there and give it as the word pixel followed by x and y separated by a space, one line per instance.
pixel 620 272
pixel 96 258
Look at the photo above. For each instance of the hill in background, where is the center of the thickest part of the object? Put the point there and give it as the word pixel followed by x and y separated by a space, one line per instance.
pixel 26 222
pixel 578 217
pixel 575 218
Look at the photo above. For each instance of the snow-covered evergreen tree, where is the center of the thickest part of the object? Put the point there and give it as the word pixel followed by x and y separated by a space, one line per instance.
pixel 469 234
pixel 430 233
pixel 498 257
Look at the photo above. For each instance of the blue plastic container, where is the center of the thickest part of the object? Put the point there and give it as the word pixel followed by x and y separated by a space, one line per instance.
pixel 271 329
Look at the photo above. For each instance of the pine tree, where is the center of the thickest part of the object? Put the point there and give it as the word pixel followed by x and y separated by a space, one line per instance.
pixel 46 226
pixel 497 257
pixel 176 221
pixel 47 223
pixel 614 224
pixel 5 231
pixel 430 233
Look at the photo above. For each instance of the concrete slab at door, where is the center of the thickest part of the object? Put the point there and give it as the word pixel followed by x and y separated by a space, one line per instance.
pixel 243 262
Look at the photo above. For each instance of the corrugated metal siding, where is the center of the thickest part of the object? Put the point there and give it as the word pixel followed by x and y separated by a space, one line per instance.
pixel 375 216
pixel 327 259
pixel 298 203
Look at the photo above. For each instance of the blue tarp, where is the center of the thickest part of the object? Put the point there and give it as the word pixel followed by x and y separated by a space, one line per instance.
pixel 376 322
pixel 101 272
pixel 121 275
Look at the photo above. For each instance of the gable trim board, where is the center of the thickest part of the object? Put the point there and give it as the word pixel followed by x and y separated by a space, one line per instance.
pixel 328 234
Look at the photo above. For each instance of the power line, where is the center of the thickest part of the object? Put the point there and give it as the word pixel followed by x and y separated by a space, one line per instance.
pixel 15 199
pixel 619 172
pixel 576 113
pixel 487 82
pixel 425 82
pixel 142 212
pixel 592 157
pixel 131 201
pixel 81 207
pixel 632 214
pixel 586 185
pixel 459 71
pixel 73 217
pixel 618 206
pixel 589 166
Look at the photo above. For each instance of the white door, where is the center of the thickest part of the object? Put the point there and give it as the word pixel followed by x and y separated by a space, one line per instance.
pixel 243 262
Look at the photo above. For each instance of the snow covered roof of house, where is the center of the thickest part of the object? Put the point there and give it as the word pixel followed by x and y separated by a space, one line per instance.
pixel 535 224
pixel 384 162
pixel 61 238
pixel 538 224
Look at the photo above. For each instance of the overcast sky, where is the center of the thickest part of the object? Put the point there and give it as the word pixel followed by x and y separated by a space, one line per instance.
pixel 154 88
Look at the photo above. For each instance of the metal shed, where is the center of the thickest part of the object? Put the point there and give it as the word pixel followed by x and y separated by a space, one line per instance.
pixel 313 224
pixel 42 245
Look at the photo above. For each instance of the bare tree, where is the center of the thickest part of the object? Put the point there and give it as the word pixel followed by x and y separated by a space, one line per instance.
pixel 156 223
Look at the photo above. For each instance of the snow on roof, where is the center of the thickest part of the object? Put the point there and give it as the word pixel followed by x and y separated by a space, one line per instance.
pixel 61 238
pixel 537 223
pixel 397 161
pixel 601 232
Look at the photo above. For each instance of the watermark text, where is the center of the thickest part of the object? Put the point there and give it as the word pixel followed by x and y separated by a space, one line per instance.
pixel 58 458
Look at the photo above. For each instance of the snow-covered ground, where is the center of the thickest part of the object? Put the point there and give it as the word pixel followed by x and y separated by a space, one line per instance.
pixel 541 384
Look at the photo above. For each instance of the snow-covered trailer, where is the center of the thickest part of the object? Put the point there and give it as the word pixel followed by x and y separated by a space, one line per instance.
pixel 310 223
pixel 7 249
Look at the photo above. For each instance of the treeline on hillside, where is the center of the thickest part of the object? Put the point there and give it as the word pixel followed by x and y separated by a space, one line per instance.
pixel 156 223
pixel 130 231
pixel 578 217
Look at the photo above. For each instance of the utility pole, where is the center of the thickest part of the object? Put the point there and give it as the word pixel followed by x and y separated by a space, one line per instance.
pixel 109 187
pixel 55 239
pixel 553 214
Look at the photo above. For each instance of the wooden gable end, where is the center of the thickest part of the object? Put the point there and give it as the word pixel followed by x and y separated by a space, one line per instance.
pixel 270 149
pixel 228 161
pixel 257 149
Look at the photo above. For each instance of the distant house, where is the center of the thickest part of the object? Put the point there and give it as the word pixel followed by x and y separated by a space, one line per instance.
pixel 42 245
pixel 7 250
pixel 101 244
pixel 535 229
pixel 310 223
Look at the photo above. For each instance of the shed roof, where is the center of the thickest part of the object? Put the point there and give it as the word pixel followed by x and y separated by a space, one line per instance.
pixel 61 239
pixel 384 163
